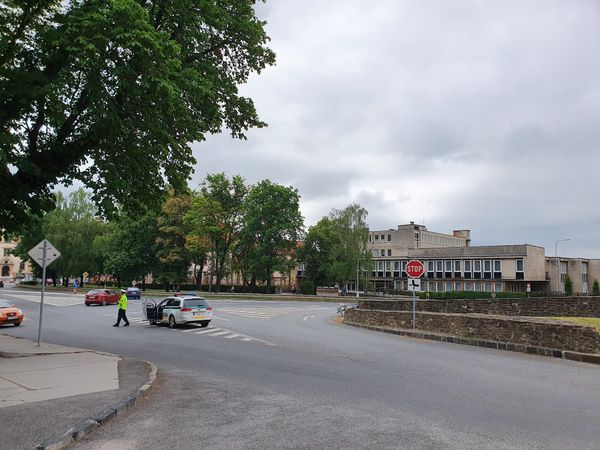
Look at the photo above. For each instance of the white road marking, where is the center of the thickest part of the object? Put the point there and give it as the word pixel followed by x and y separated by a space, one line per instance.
pixel 219 333
pixel 221 318
pixel 231 336
pixel 210 330
pixel 246 339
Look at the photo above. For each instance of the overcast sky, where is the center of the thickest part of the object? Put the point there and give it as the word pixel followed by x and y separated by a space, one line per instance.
pixel 482 115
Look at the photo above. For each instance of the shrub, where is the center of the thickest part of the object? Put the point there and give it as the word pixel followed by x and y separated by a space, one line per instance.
pixel 596 288
pixel 466 295
pixel 568 285
pixel 29 283
pixel 307 287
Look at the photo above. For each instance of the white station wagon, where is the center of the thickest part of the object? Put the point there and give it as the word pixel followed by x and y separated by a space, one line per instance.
pixel 179 310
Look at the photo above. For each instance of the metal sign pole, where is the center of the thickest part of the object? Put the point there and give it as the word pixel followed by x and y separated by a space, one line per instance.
pixel 414 307
pixel 43 288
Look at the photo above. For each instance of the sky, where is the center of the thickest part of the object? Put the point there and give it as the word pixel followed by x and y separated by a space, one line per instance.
pixel 468 114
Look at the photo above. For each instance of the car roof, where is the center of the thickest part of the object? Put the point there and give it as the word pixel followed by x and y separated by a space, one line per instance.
pixel 187 297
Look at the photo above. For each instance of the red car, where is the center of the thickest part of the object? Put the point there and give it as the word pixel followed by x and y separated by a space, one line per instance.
pixel 9 314
pixel 101 297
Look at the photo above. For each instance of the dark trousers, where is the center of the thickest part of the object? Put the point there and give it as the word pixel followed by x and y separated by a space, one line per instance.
pixel 123 316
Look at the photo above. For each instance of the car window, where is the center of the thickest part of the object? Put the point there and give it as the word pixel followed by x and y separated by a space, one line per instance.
pixel 176 302
pixel 196 302
pixel 93 292
pixel 5 304
pixel 165 302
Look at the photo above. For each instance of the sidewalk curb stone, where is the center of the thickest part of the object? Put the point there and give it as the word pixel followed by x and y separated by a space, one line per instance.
pixel 521 348
pixel 85 427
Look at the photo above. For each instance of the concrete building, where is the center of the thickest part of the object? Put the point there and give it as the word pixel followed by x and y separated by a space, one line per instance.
pixel 453 264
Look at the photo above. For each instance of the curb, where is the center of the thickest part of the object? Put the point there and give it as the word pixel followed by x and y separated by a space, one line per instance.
pixel 82 429
pixel 496 345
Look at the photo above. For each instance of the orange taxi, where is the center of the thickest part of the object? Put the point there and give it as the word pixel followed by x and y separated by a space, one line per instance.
pixel 9 314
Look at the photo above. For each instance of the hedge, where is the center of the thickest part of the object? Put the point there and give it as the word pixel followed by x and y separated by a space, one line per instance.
pixel 464 295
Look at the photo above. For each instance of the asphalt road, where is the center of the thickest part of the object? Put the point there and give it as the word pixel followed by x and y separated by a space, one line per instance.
pixel 287 375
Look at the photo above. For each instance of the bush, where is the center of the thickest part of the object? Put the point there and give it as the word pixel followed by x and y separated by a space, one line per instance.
pixel 29 283
pixel 568 285
pixel 596 288
pixel 307 287
pixel 469 295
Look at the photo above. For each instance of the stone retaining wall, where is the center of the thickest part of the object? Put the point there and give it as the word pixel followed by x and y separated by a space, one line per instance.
pixel 537 307
pixel 536 332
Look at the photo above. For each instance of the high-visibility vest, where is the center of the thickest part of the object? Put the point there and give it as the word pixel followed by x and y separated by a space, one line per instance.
pixel 123 302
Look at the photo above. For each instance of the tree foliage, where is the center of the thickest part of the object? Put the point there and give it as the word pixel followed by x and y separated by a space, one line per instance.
pixel 174 256
pixel 596 288
pixel 336 247
pixel 128 247
pixel 316 253
pixel 73 229
pixel 272 228
pixel 111 93
pixel 216 216
pixel 568 285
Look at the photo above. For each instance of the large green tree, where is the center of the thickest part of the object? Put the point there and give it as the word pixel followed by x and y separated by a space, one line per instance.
pixel 216 214
pixel 111 93
pixel 128 247
pixel 272 228
pixel 72 227
pixel 316 252
pixel 172 252
pixel 349 252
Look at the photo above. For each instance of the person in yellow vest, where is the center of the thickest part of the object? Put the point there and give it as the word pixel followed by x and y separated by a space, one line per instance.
pixel 122 309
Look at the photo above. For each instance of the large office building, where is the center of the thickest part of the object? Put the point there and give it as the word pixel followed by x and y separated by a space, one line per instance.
pixel 453 264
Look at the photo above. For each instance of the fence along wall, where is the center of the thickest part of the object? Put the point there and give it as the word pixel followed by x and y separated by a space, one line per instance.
pixel 535 307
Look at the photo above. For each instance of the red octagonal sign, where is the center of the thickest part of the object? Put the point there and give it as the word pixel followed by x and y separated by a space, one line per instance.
pixel 415 269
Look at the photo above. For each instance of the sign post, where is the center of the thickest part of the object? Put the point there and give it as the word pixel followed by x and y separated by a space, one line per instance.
pixel 414 270
pixel 44 253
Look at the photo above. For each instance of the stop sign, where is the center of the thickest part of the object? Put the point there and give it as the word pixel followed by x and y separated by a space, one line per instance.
pixel 415 269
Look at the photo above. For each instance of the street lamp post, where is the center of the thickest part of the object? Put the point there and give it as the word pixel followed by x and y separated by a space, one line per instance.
pixel 558 262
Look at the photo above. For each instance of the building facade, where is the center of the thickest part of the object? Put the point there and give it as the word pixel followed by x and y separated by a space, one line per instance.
pixel 12 268
pixel 453 264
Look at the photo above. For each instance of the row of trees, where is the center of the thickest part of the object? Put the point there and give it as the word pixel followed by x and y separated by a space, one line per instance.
pixel 226 226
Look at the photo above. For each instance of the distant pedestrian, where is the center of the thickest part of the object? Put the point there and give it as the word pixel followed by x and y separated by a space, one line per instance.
pixel 75 286
pixel 122 309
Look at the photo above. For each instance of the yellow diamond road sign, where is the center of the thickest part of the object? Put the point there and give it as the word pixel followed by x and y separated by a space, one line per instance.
pixel 85 274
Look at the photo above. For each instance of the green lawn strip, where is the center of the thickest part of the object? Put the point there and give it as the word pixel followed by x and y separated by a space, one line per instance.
pixel 589 321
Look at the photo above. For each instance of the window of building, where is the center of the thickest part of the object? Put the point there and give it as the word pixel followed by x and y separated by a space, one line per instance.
pixel 416 236
pixel 476 266
pixel 477 287
pixel 468 286
pixel 382 237
pixel 389 252
pixel 396 266
pixel 388 266
pixel 431 286
pixel 375 251
pixel 382 252
pixel 487 265
pixel 448 266
pixel 430 266
pixel 457 266
pixel 439 266
pixel 448 286
pixel 440 286
pixel 404 266
pixel 488 287
pixel 376 238
pixel 389 238
pixel 498 287
pixel 519 265
pixel 467 266
pixel 457 286
pixel 380 266
pixel 369 238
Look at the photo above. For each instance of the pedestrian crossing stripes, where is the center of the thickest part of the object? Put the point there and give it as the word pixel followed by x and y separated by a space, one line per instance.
pixel 208 331
pixel 267 313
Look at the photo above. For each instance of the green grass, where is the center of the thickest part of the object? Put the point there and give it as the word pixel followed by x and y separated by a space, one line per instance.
pixel 590 321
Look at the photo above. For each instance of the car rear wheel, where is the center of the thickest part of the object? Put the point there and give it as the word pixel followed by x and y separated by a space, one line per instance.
pixel 87 304
pixel 172 322
pixel 16 324
pixel 204 323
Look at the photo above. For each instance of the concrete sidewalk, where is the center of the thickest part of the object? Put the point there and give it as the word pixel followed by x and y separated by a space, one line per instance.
pixel 52 394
